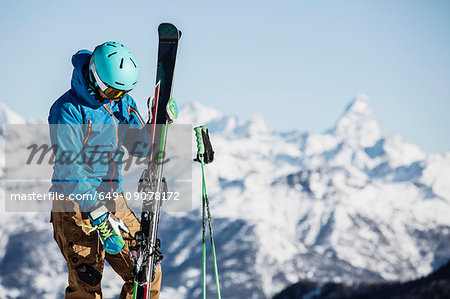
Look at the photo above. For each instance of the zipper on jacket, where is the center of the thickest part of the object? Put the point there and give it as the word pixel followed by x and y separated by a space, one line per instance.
pixel 137 114
pixel 88 132
pixel 117 145
pixel 115 122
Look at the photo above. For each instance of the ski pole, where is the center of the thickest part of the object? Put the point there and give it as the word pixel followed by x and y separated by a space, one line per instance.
pixel 205 155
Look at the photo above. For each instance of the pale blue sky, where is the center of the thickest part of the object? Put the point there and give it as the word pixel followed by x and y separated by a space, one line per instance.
pixel 297 63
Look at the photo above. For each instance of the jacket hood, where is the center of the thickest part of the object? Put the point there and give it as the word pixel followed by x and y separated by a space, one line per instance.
pixel 80 62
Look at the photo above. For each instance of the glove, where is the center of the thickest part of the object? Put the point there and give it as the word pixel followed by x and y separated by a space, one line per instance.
pixel 150 106
pixel 171 109
pixel 108 227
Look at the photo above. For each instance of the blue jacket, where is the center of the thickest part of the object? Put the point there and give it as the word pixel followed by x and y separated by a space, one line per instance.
pixel 87 139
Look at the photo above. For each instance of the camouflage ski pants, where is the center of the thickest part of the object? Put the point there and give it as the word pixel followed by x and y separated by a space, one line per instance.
pixel 85 255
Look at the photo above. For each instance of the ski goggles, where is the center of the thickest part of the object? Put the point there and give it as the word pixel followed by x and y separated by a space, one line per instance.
pixel 110 92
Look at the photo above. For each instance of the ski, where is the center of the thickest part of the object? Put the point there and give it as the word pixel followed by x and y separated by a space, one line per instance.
pixel 145 254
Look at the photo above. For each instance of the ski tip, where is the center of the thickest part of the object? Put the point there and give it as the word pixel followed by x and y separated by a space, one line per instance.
pixel 168 31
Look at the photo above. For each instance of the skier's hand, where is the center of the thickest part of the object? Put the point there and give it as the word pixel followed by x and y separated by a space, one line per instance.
pixel 108 227
pixel 172 110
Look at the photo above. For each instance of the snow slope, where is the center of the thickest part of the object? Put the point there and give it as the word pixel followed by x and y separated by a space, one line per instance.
pixel 347 205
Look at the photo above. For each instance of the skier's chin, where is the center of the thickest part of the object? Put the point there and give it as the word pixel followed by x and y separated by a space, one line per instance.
pixel 102 97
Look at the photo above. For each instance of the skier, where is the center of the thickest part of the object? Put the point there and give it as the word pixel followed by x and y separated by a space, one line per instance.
pixel 89 124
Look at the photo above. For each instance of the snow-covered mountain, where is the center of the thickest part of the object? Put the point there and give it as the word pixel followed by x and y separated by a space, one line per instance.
pixel 350 205
pixel 7 116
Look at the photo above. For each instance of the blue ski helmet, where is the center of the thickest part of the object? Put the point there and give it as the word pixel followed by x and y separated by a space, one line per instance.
pixel 114 69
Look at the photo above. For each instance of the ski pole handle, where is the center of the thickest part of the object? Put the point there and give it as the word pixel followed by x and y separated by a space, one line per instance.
pixel 200 144
pixel 204 148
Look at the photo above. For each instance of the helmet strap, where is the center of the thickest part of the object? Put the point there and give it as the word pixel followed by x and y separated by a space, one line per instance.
pixel 92 85
pixel 98 81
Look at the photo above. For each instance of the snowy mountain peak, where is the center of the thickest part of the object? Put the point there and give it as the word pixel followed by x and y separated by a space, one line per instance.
pixel 7 116
pixel 359 104
pixel 348 205
pixel 197 114
pixel 358 126
pixel 257 125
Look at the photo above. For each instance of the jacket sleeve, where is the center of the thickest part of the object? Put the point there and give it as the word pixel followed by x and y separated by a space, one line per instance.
pixel 72 175
pixel 138 137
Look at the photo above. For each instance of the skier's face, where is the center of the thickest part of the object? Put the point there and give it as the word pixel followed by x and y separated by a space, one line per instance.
pixel 101 96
